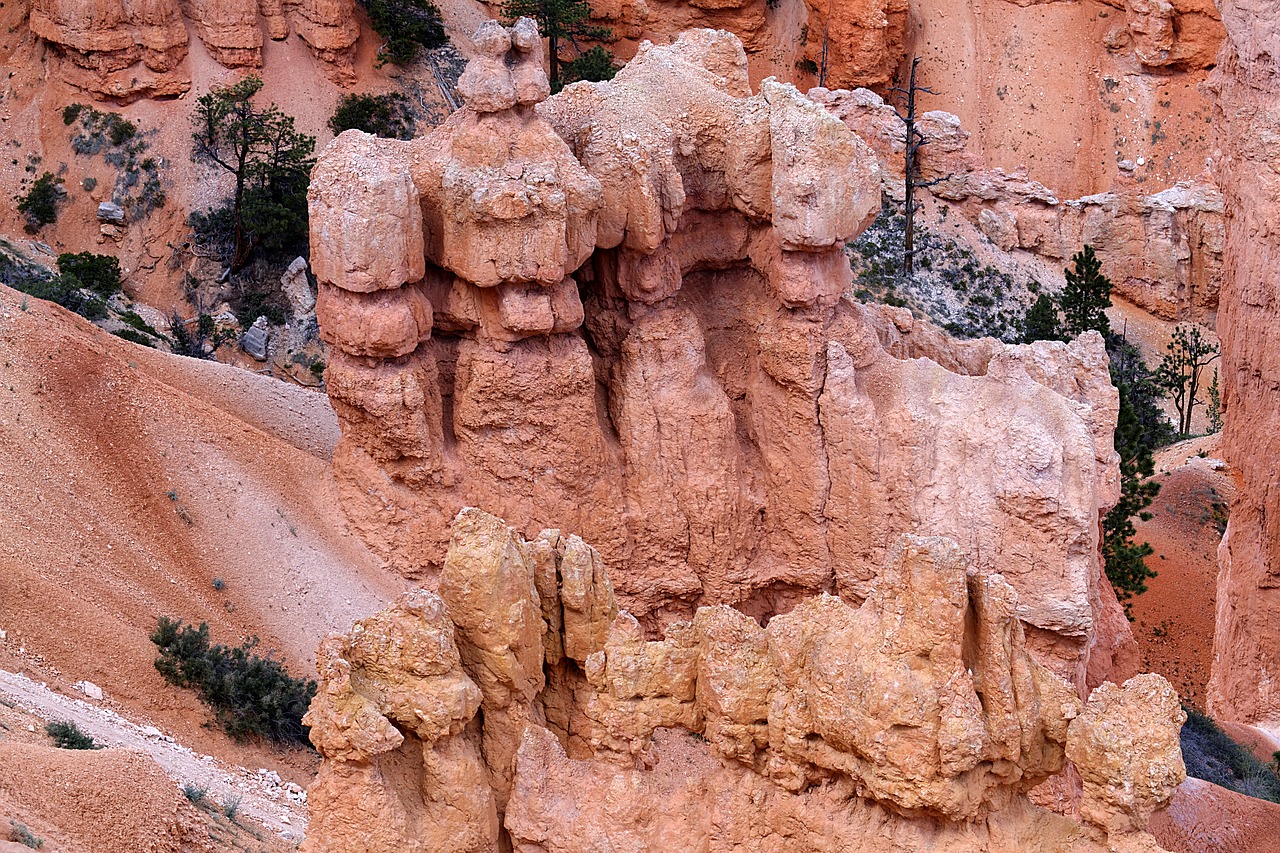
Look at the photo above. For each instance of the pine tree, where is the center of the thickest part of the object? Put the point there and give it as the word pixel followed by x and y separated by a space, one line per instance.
pixel 407 25
pixel 1179 372
pixel 1214 410
pixel 269 159
pixel 1086 296
pixel 1041 322
pixel 564 20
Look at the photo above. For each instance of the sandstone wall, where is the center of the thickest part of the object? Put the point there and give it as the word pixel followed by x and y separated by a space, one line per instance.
pixel 619 311
pixel 1162 251
pixel 125 50
pixel 520 709
pixel 1245 684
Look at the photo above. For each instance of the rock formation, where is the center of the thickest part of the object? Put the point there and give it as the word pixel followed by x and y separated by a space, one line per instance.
pixel 619 311
pixel 1163 251
pixel 1245 684
pixel 125 50
pixel 520 707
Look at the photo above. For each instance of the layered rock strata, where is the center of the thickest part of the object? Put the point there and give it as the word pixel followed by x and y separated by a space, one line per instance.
pixel 518 708
pixel 1245 682
pixel 619 310
pixel 1162 251
pixel 125 50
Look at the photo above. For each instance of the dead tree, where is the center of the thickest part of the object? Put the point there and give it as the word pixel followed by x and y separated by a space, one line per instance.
pixel 914 139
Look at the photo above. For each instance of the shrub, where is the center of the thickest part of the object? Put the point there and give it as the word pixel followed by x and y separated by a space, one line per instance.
pixel 134 336
pixel 1211 755
pixel 407 25
pixel 382 115
pixel 194 793
pixel 231 806
pixel 19 832
pixel 40 204
pixel 70 113
pixel 250 695
pixel 67 735
pixel 99 273
pixel 262 299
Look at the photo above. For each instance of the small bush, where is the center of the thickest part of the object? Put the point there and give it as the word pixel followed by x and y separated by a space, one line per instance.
pixel 120 130
pixel 1211 755
pixel 67 735
pixel 70 113
pixel 250 695
pixel 382 115
pixel 261 300
pixel 99 273
pixel 40 204
pixel 19 832
pixel 134 336
pixel 231 806
pixel 195 793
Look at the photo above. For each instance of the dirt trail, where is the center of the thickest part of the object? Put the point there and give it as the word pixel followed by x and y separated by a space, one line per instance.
pixel 275 806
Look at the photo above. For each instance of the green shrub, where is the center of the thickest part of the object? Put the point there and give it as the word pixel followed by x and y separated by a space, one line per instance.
pixel 40 204
pixel 231 806
pixel 119 129
pixel 194 793
pixel 382 115
pixel 250 695
pixel 260 300
pixel 19 832
pixel 99 273
pixel 407 25
pixel 1211 755
pixel 70 113
pixel 134 336
pixel 67 735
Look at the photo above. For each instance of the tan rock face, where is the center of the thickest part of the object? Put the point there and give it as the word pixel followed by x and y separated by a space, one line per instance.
pixel 1246 661
pixel 521 708
pixel 126 50
pixel 1162 251
pixel 619 311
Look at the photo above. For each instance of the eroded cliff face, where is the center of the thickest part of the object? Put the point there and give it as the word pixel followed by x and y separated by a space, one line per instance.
pixel 125 50
pixel 519 706
pixel 619 311
pixel 1162 251
pixel 1245 683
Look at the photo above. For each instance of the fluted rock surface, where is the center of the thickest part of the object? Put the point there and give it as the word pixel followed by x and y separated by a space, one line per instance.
pixel 1245 683
pixel 520 707
pixel 124 50
pixel 619 310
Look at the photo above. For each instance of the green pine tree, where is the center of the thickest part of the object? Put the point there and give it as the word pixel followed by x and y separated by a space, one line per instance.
pixel 560 21
pixel 1041 322
pixel 269 159
pixel 1086 296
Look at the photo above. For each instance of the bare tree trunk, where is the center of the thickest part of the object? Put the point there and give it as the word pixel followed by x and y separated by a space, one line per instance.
pixel 909 241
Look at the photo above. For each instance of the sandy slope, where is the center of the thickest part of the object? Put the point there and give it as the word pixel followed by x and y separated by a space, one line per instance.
pixel 126 491
pixel 1174 619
